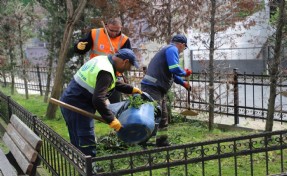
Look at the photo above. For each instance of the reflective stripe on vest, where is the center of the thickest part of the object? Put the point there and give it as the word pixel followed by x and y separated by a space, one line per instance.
pixel 101 45
pixel 87 74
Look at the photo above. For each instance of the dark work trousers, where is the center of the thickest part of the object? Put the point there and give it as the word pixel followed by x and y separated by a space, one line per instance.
pixel 81 131
pixel 160 97
pixel 81 128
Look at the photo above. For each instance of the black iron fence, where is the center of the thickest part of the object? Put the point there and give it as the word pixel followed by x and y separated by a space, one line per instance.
pixel 36 77
pixel 57 155
pixel 237 95
pixel 257 154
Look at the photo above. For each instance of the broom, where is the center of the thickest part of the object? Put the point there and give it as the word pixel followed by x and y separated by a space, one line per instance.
pixel 188 112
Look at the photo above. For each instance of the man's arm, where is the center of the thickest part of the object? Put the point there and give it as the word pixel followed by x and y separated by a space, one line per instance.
pixel 178 80
pixel 172 59
pixel 123 87
pixel 104 80
pixel 88 39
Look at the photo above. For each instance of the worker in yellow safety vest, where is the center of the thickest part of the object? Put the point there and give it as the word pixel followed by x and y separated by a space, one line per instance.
pixel 88 90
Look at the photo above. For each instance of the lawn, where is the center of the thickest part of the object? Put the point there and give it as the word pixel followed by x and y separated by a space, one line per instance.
pixel 180 131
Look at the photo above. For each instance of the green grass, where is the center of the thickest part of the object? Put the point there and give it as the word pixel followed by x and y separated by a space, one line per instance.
pixel 197 131
pixel 180 132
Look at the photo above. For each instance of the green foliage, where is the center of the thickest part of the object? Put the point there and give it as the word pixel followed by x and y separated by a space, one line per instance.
pixel 110 144
pixel 247 8
pixel 274 18
pixel 177 118
pixel 137 101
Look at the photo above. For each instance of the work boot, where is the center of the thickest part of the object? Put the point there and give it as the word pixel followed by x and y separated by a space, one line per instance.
pixel 162 141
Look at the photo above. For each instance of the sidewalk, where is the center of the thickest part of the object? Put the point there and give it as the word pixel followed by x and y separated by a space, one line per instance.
pixel 244 123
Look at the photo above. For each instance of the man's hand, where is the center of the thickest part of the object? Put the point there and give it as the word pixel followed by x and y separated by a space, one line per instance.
pixel 188 72
pixel 82 45
pixel 186 86
pixel 116 124
pixel 136 90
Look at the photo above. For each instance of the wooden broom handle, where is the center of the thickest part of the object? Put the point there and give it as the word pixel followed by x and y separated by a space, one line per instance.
pixel 111 45
pixel 76 109
pixel 109 39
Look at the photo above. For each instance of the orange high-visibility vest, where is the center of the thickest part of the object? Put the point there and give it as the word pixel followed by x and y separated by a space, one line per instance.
pixel 101 45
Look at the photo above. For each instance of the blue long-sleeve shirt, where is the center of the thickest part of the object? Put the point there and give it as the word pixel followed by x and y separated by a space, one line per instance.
pixel 172 58
pixel 164 69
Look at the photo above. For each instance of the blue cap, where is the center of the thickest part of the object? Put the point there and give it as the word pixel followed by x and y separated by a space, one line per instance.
pixel 179 38
pixel 126 53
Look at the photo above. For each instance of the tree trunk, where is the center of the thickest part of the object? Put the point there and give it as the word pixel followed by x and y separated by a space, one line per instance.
pixel 50 66
pixel 274 69
pixel 3 72
pixel 72 18
pixel 211 66
pixel 23 60
pixel 49 76
pixel 11 68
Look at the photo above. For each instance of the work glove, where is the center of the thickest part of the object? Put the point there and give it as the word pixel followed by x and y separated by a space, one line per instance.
pixel 116 124
pixel 136 90
pixel 186 86
pixel 188 72
pixel 82 45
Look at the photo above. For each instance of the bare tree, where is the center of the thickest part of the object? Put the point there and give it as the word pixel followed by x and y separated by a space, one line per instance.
pixel 73 16
pixel 168 17
pixel 24 17
pixel 211 65
pixel 8 43
pixel 16 29
pixel 275 64
pixel 212 21
pixel 51 32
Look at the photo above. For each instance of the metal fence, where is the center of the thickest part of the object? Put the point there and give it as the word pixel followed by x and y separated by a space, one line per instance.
pixel 257 154
pixel 236 94
pixel 36 77
pixel 57 155
pixel 244 95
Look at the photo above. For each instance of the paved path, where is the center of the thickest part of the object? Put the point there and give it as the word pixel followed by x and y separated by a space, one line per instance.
pixel 247 123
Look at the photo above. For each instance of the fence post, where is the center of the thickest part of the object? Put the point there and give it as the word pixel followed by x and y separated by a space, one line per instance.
pixel 34 124
pixel 39 80
pixel 89 168
pixel 9 108
pixel 235 98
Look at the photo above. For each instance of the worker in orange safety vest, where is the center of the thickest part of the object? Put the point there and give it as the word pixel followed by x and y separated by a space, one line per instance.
pixel 97 43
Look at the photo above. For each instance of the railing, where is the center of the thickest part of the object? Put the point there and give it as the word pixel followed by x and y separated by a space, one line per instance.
pixel 237 95
pixel 36 76
pixel 232 156
pixel 244 95
pixel 257 154
pixel 58 156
